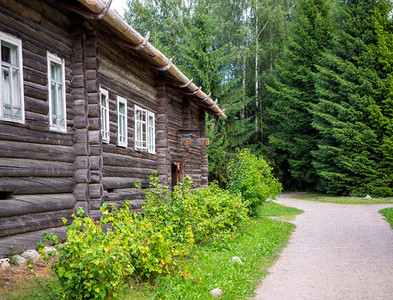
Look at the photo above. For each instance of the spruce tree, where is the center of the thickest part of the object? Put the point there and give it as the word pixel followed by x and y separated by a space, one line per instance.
pixel 293 92
pixel 348 115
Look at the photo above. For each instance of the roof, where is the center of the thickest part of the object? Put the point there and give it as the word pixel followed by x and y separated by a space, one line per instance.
pixel 128 37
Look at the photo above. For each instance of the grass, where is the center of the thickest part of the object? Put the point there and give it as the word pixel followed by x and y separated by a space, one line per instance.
pixel 272 209
pixel 258 245
pixel 388 214
pixel 18 283
pixel 343 200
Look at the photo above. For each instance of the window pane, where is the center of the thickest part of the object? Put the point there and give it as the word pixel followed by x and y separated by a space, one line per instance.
pixel 5 53
pixel 60 100
pixel 122 108
pixel 138 131
pixel 14 55
pixel 151 136
pixel 15 89
pixel 8 111
pixel 16 113
pixel 55 70
pixel 9 53
pixel 103 100
pixel 53 91
pixel 6 86
pixel 143 132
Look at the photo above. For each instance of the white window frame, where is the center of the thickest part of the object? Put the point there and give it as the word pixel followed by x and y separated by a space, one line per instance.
pixel 18 43
pixel 151 136
pixel 149 142
pixel 54 58
pixel 122 139
pixel 104 116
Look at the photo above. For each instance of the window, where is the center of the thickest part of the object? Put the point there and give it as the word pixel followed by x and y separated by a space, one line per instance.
pixel 11 83
pixel 150 132
pixel 104 96
pixel 122 121
pixel 144 130
pixel 57 97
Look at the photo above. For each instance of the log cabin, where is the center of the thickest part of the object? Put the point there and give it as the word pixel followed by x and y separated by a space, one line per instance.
pixel 88 107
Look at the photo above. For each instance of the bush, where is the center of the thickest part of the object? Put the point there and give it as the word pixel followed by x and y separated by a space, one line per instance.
pixel 92 263
pixel 251 176
pixel 101 255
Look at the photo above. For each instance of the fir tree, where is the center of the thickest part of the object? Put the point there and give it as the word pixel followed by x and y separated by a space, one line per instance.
pixel 293 92
pixel 348 115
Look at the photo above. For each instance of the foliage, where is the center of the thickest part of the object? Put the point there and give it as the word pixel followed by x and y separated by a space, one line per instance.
pixel 100 256
pixel 251 176
pixel 257 245
pixel 388 214
pixel 93 263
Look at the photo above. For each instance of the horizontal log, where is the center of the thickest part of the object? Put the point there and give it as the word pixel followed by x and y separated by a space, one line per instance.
pixel 136 204
pixel 13 149
pixel 38 185
pixel 29 204
pixel 130 151
pixel 124 194
pixel 18 167
pixel 15 133
pixel 111 159
pixel 110 171
pixel 36 91
pixel 33 222
pixel 122 182
pixel 35 32
pixel 21 242
pixel 37 106
pixel 128 89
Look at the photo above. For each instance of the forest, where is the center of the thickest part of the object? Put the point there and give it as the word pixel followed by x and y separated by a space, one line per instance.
pixel 307 84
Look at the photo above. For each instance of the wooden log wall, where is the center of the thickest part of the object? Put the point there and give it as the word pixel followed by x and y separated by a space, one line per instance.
pixel 122 74
pixel 36 163
pixel 183 114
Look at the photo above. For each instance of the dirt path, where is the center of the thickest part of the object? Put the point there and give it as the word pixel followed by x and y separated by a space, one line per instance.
pixel 336 252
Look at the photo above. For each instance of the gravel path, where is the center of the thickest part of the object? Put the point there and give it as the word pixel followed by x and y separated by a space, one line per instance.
pixel 336 252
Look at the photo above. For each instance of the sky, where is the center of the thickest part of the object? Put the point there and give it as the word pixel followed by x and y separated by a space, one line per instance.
pixel 119 6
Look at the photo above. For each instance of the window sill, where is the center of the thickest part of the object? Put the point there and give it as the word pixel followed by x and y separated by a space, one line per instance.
pixel 12 120
pixel 58 129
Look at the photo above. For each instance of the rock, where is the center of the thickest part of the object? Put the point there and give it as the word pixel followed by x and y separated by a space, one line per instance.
pixel 4 265
pixel 18 260
pixel 368 197
pixel 50 248
pixel 216 292
pixel 237 259
pixel 33 254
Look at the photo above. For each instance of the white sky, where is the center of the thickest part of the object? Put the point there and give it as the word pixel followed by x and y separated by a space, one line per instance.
pixel 119 6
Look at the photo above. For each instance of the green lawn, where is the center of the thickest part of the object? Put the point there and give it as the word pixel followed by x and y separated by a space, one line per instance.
pixel 388 214
pixel 343 200
pixel 210 266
